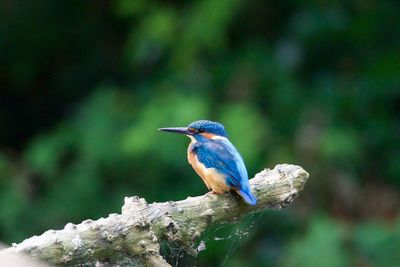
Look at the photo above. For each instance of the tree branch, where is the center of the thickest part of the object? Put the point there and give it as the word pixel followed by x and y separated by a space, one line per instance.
pixel 133 237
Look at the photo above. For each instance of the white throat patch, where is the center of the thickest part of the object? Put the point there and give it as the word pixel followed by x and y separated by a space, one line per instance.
pixel 219 138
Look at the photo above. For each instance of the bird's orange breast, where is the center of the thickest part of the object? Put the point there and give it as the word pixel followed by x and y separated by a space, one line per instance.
pixel 214 180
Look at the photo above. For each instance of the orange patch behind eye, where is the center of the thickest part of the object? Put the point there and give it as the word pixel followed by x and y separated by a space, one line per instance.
pixel 208 135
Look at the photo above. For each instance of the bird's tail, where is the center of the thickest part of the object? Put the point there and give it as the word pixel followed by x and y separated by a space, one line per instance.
pixel 248 196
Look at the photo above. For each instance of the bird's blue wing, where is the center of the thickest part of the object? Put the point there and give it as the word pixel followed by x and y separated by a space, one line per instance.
pixel 223 156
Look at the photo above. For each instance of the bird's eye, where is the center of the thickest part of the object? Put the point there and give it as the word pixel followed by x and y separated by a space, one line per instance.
pixel 201 130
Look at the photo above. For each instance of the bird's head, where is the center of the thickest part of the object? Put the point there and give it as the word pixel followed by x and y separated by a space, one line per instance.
pixel 200 129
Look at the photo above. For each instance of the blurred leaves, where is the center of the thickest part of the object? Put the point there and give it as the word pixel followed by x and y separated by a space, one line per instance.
pixel 322 246
pixel 340 145
pixel 377 244
pixel 167 110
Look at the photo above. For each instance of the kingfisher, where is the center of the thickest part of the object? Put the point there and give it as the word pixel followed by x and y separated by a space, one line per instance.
pixel 215 159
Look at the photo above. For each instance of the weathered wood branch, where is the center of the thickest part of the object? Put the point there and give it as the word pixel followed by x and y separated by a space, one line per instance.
pixel 133 237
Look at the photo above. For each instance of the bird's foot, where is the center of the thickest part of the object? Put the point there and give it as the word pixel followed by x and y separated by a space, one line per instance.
pixel 212 193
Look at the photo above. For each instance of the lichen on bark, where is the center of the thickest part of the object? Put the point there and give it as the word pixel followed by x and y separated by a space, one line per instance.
pixel 133 237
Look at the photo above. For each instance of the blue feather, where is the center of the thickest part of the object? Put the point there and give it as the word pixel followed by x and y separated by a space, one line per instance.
pixel 223 156
pixel 248 196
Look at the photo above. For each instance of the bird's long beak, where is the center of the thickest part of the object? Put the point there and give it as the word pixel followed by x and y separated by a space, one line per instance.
pixel 179 130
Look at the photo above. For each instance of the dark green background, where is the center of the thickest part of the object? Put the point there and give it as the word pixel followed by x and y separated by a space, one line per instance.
pixel 85 84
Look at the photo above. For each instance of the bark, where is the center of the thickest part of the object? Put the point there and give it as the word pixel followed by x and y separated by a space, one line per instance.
pixel 133 237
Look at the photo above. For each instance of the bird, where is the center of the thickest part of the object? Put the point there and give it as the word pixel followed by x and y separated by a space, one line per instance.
pixel 215 159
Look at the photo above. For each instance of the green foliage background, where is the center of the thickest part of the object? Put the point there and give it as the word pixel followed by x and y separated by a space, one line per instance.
pixel 84 85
